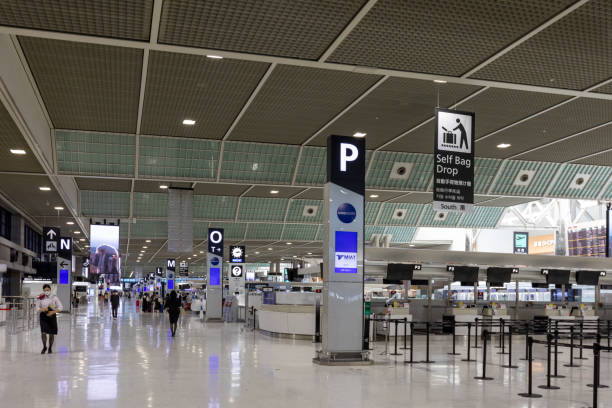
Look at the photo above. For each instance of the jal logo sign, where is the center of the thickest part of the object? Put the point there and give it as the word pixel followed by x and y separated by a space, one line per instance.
pixel 346 162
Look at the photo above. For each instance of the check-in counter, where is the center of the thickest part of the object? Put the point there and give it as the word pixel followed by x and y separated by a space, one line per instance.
pixel 287 319
pixel 396 313
pixel 464 315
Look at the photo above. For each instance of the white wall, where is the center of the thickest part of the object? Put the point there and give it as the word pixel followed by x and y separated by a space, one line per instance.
pixel 456 235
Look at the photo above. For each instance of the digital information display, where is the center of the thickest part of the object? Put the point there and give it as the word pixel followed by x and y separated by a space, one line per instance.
pixel 215 277
pixel 346 252
pixel 64 277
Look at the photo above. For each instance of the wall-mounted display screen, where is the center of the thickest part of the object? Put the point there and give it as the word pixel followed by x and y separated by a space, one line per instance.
pixel 464 273
pixel 215 277
pixel 557 276
pixel 499 275
pixel 104 259
pixel 400 272
pixel 346 252
pixel 587 277
pixel 64 277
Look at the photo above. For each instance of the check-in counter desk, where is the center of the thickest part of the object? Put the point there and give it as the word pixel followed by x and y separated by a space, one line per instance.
pixel 564 315
pixel 287 319
pixel 396 313
pixel 464 315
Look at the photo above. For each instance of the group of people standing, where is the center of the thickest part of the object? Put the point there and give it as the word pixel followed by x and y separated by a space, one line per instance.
pixel 172 304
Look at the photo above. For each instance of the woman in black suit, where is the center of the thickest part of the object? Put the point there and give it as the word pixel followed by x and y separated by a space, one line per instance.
pixel 174 311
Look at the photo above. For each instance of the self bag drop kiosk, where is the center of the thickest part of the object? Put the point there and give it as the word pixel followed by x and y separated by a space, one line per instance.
pixel 342 310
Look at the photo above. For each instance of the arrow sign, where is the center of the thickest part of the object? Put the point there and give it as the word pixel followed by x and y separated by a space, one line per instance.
pixel 51 238
pixel 64 264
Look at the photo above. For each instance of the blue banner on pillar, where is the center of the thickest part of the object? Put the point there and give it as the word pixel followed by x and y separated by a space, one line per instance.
pixel 346 252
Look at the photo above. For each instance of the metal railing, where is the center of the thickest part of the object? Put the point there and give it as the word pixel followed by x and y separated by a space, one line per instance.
pixel 20 313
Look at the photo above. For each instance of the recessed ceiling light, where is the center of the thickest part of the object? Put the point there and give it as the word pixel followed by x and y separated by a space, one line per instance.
pixel 289 243
pixel 273 191
pixel 503 145
pixel 359 134
pixel 373 195
pixel 295 256
pixel 138 260
pixel 195 254
pixel 411 245
pixel 188 259
pixel 148 240
pixel 44 188
pixel 163 186
pixel 82 239
pixel 439 81
pixel 77 232
pixel 214 57
pixel 142 252
pixel 188 122
pixel 69 223
pixel 145 247
pixel 18 151
pixel 201 252
pixel 310 253
pixel 269 249
pixel 58 208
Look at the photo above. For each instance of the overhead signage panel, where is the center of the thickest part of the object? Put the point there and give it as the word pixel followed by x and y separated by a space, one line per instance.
pixel 51 236
pixel 346 163
pixel 184 268
pixel 454 161
pixel 65 248
pixel 171 264
pixel 215 241
pixel 237 254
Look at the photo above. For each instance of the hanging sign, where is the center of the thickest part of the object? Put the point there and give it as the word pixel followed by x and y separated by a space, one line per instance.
pixel 521 240
pixel 51 239
pixel 454 161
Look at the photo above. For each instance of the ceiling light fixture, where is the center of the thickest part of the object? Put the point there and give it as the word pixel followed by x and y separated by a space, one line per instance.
pixel 44 188
pixel 58 208
pixel 256 253
pixel 201 252
pixel 503 145
pixel 77 232
pixel 82 239
pixel 273 191
pixel 145 247
pixel 359 134
pixel 269 249
pixel 163 186
pixel 148 240
pixel 439 81
pixel 410 245
pixel 69 223
pixel 189 122
pixel 18 151
pixel 374 196
pixel 214 57
pixel 289 243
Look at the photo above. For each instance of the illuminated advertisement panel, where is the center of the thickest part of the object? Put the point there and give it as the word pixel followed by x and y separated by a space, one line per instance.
pixel 104 259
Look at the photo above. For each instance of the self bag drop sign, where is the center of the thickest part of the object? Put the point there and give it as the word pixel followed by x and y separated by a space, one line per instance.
pixel 454 161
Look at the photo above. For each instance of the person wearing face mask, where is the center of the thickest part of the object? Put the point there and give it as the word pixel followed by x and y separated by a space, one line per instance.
pixel 48 306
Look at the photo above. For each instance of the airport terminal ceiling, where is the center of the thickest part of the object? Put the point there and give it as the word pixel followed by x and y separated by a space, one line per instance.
pixel 97 97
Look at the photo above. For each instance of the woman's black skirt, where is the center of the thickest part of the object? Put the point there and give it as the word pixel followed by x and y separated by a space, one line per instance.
pixel 174 316
pixel 48 324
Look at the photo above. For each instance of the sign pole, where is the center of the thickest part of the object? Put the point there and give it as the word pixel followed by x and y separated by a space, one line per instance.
pixel 214 276
pixel 342 313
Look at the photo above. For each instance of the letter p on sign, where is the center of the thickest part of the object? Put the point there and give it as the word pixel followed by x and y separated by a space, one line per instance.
pixel 348 153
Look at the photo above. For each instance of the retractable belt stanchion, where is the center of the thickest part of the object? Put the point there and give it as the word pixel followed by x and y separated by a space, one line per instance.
pixel 571 363
pixel 529 393
pixel 411 345
pixel 608 336
pixel 581 339
pixel 484 357
pixel 526 341
pixel 469 336
pixel 427 360
pixel 548 386
pixel 405 333
pixel 596 361
pixel 596 357
pixel 395 353
pixel 509 365
pixel 556 374
pixel 476 333
pixel 502 335
pixel 454 353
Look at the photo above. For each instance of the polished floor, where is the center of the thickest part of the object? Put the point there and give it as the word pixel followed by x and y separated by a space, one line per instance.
pixel 133 362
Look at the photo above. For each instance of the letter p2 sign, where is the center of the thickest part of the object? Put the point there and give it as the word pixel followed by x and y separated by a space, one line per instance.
pixel 348 153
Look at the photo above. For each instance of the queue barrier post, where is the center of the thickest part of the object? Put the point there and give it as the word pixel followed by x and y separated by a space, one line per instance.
pixel 411 345
pixel 529 393
pixel 427 360
pixel 596 361
pixel 502 335
pixel 469 336
pixel 484 357
pixel 405 333
pixel 476 333
pixel 608 336
pixel 556 374
pixel 395 353
pixel 571 362
pixel 454 353
pixel 526 341
pixel 581 339
pixel 548 385
pixel 509 365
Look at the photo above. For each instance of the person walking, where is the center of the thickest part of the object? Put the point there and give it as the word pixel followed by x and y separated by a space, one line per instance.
pixel 114 300
pixel 48 305
pixel 174 311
